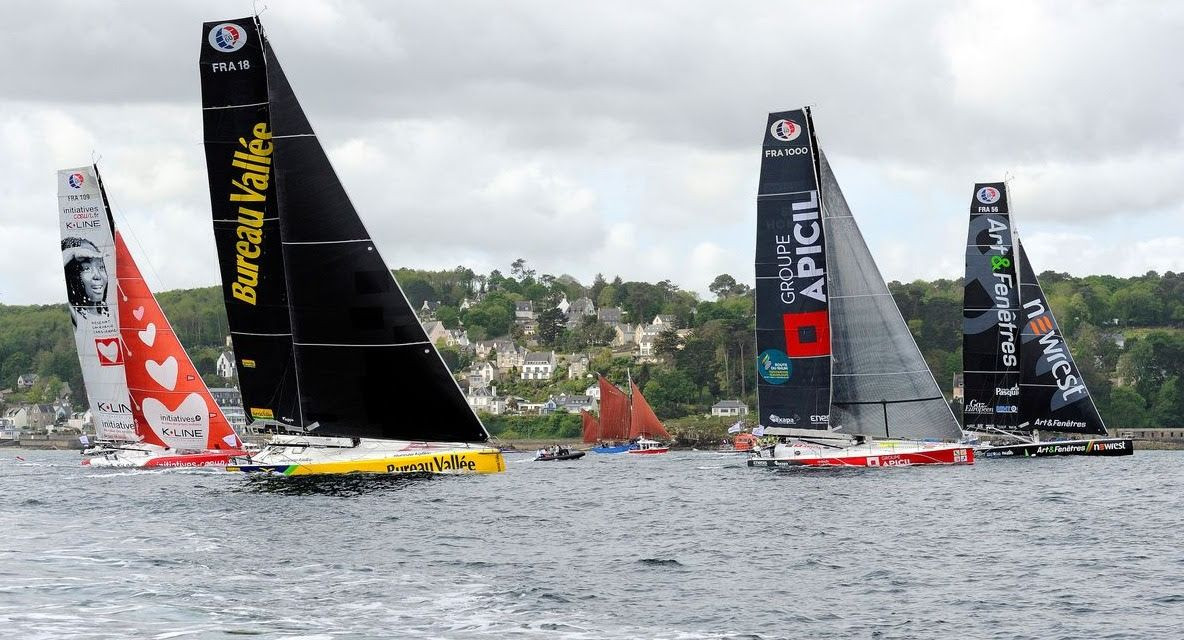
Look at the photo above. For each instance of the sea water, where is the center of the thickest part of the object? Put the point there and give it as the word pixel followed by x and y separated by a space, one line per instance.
pixel 680 546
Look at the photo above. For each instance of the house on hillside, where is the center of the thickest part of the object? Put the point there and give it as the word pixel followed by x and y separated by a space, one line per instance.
pixel 485 399
pixel 8 430
pixel 32 417
pixel 25 381
pixel 458 338
pixel 436 331
pixel 563 305
pixel 480 374
pixel 225 364
pixel 580 309
pixel 610 315
pixel 577 366
pixel 570 404
pixel 538 365
pixel 624 335
pixel 729 408
pixel 509 355
pixel 959 388
pixel 523 311
pixel 593 392
pixel 230 401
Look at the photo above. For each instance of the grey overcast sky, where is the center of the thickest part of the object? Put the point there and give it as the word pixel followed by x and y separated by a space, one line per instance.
pixel 618 136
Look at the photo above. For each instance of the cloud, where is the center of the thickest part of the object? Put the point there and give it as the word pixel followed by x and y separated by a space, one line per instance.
pixel 615 137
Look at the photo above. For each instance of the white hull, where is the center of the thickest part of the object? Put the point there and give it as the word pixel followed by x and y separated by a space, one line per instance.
pixel 883 453
pixel 306 455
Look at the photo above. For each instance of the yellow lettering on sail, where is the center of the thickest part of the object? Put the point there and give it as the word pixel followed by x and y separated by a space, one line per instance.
pixel 251 186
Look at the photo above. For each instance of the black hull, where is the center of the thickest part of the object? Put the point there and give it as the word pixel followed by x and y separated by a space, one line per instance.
pixel 574 455
pixel 1098 447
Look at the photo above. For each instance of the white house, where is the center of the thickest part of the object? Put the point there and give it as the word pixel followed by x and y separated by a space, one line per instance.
pixel 593 392
pixel 8 430
pixel 570 404
pixel 225 364
pixel 481 374
pixel 580 309
pixel 26 381
pixel 523 311
pixel 510 357
pixel 486 399
pixel 727 408
pixel 538 365
pixel 458 338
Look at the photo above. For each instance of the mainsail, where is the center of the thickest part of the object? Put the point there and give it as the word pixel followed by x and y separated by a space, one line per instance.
pixel 359 350
pixel 991 314
pixel 88 257
pixel 614 411
pixel 1053 394
pixel 168 396
pixel 793 323
pixel 834 351
pixel 239 164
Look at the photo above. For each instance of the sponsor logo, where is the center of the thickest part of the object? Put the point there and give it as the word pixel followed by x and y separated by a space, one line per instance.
pixel 262 414
pixel 785 130
pixel 977 407
pixel 774 366
pixel 1053 423
pixel 249 192
pixel 1006 408
pixel 959 455
pixel 987 195
pixel 437 464
pixel 248 363
pixel 1008 391
pixel 796 250
pixel 776 419
pixel 75 180
pixel 1055 354
pixel 228 37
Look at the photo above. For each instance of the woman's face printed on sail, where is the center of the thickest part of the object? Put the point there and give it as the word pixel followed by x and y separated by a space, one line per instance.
pixel 86 273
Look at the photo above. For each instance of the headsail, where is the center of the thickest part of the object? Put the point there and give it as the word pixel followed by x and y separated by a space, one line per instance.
pixel 240 167
pixel 88 258
pixel 793 339
pixel 614 411
pixel 168 396
pixel 360 349
pixel 882 384
pixel 591 426
pixel 1053 394
pixel 991 314
pixel 644 422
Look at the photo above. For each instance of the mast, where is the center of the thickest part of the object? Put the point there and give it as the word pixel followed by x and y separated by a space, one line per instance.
pixel 991 314
pixel 793 333
pixel 89 264
pixel 240 166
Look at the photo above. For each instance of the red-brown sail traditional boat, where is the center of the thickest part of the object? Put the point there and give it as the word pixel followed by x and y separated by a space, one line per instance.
pixel 625 417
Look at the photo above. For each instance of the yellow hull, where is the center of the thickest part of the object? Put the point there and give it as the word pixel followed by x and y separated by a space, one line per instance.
pixel 456 461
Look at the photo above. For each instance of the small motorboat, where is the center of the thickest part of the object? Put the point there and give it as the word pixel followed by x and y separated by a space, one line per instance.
pixel 645 446
pixel 557 453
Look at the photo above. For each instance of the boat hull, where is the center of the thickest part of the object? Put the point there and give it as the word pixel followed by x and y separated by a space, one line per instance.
pixel 648 452
pixel 864 456
pixel 288 458
pixel 617 449
pixel 574 455
pixel 158 459
pixel 1097 447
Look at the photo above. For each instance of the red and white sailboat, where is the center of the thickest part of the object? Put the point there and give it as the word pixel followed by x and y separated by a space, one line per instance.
pixel 841 380
pixel 624 416
pixel 173 418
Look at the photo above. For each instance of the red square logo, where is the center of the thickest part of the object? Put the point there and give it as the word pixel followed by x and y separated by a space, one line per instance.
pixel 108 351
pixel 807 334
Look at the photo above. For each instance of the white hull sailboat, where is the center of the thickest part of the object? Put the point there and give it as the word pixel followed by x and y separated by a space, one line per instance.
pixel 841 380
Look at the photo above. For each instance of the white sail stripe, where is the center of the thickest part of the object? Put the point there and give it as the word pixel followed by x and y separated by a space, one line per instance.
pixel 783 193
pixel 330 241
pixel 388 344
pixel 235 106
pixel 296 135
pixel 893 373
pixel 1016 372
pixel 248 333
pixel 235 222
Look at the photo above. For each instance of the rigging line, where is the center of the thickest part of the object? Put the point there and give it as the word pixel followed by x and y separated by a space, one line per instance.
pixel 888 373
pixel 388 344
pixel 329 241
pixel 236 106
pixel 132 232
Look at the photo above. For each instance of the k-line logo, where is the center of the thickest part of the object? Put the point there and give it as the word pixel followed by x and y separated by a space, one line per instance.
pixel 75 180
pixel 987 195
pixel 785 130
pixel 228 37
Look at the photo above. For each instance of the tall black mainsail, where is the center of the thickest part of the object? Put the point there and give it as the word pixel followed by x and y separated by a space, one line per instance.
pixel 793 342
pixel 1053 395
pixel 835 352
pixel 240 165
pixel 991 315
